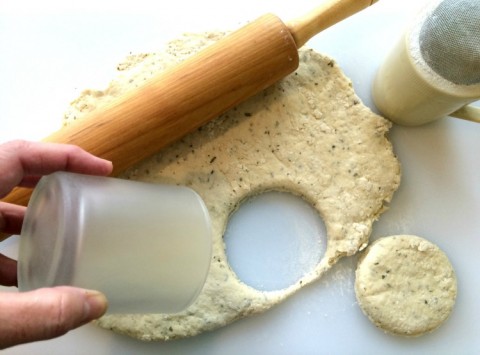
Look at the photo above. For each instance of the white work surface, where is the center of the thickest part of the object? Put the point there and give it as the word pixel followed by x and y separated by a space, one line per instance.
pixel 49 53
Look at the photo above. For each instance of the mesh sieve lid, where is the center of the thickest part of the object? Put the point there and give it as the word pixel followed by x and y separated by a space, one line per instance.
pixel 449 41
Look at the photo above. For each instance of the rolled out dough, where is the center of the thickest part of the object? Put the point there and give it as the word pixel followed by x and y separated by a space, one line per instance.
pixel 309 134
pixel 405 285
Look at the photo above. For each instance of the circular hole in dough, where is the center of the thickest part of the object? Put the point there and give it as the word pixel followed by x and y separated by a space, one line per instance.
pixel 273 239
pixel 405 285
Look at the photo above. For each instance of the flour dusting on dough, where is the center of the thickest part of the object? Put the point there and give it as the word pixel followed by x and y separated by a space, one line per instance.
pixel 309 134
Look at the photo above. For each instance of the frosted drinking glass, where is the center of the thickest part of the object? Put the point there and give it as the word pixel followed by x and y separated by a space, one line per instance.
pixel 146 246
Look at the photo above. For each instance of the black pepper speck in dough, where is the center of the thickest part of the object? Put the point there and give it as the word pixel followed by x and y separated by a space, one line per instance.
pixel 405 285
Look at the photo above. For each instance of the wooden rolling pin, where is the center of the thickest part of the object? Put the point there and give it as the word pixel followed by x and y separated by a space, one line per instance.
pixel 178 101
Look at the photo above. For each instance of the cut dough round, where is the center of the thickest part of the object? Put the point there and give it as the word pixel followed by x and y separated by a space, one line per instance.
pixel 309 134
pixel 405 285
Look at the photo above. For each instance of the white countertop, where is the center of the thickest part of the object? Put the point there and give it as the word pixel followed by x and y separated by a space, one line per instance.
pixel 51 51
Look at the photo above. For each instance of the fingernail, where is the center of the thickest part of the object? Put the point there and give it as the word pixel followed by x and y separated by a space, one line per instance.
pixel 96 304
pixel 109 166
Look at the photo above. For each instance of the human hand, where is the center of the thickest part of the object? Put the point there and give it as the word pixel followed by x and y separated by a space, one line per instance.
pixel 49 312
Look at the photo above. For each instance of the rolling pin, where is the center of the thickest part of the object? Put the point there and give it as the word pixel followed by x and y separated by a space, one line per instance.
pixel 181 99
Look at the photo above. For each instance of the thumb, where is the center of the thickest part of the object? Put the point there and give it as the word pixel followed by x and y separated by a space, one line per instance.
pixel 46 313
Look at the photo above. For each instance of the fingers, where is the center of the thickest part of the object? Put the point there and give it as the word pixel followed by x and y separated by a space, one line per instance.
pixel 46 313
pixel 11 218
pixel 23 162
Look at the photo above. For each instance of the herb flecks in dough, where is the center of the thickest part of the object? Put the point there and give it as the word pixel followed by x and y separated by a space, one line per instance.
pixel 307 134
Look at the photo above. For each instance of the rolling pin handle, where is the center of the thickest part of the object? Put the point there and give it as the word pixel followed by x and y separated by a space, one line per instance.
pixel 323 17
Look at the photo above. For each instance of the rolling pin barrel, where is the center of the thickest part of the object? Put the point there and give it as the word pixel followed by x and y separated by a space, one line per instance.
pixel 179 100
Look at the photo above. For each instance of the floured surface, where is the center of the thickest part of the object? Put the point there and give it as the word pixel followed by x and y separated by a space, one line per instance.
pixel 308 134
pixel 405 285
